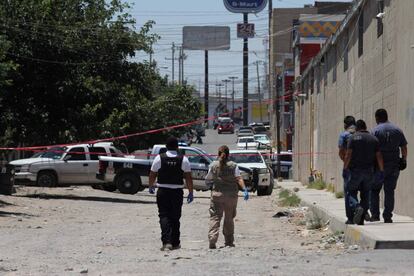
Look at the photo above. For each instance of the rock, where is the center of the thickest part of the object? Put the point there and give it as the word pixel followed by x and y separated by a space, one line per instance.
pixel 99 252
pixel 84 271
pixel 282 214
pixel 19 219
pixel 353 247
pixel 275 267
pixel 39 227
pixel 69 269
pixel 296 189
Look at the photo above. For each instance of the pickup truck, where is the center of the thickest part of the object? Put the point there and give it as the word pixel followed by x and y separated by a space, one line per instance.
pixel 130 175
pixel 73 164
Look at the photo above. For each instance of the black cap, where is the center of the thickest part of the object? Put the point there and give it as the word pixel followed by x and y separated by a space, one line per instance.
pixel 172 143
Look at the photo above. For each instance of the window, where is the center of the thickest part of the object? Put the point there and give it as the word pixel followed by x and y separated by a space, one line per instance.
pixel 77 154
pixel 95 152
pixel 361 34
pixel 380 23
pixel 193 156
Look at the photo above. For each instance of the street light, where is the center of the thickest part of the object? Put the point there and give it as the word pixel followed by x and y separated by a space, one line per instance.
pixel 232 94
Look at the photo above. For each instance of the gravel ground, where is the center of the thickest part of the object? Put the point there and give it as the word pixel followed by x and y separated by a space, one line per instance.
pixel 78 230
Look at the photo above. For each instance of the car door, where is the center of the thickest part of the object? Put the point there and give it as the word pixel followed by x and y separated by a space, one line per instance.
pixel 199 168
pixel 93 162
pixel 74 166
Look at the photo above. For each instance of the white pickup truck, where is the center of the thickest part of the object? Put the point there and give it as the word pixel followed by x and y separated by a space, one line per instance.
pixel 130 175
pixel 74 164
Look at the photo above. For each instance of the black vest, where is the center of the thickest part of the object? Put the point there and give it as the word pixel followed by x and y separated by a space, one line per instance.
pixel 170 171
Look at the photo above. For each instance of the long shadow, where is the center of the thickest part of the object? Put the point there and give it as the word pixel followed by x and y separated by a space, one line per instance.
pixel 87 198
pixel 9 214
pixel 4 203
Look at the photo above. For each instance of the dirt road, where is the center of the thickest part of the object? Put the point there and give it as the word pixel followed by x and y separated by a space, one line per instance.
pixel 78 230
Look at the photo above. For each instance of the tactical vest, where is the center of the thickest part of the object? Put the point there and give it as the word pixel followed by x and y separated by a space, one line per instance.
pixel 224 179
pixel 170 171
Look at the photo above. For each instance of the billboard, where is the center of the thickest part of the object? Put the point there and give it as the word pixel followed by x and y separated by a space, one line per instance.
pixel 206 38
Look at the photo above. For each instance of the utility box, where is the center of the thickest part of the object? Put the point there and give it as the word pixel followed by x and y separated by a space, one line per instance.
pixel 6 178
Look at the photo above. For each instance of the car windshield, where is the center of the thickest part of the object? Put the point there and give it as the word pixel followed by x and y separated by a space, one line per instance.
pixel 261 138
pixel 246 140
pixel 248 157
pixel 285 157
pixel 54 153
pixel 245 131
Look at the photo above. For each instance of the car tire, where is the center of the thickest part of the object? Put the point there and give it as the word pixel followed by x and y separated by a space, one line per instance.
pixel 219 132
pixel 128 183
pixel 96 186
pixel 109 187
pixel 46 179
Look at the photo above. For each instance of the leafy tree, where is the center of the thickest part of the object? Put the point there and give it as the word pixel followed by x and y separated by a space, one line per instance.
pixel 75 78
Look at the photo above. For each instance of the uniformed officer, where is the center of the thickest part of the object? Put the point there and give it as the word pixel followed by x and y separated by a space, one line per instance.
pixel 169 169
pixel 361 154
pixel 349 126
pixel 226 180
pixel 392 141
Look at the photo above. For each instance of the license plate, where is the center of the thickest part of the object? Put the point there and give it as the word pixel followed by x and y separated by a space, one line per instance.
pixel 284 169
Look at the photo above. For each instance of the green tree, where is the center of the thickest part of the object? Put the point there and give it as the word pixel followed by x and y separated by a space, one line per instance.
pixel 75 78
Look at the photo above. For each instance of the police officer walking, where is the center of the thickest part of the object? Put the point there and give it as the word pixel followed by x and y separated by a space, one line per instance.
pixel 349 126
pixel 362 152
pixel 392 141
pixel 226 180
pixel 169 169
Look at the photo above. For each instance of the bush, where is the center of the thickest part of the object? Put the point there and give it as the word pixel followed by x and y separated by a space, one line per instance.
pixel 288 199
pixel 317 185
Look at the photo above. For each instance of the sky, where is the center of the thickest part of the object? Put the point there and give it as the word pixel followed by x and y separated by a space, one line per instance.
pixel 170 17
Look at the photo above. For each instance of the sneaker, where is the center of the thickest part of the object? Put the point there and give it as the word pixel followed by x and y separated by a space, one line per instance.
pixel 166 247
pixel 367 217
pixel 176 247
pixel 373 219
pixel 348 221
pixel 212 246
pixel 229 245
pixel 388 220
pixel 358 215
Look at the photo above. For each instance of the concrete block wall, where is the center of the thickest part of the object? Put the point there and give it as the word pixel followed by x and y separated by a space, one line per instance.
pixel 382 77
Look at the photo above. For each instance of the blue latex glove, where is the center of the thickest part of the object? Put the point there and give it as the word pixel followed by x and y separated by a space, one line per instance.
pixel 151 190
pixel 346 173
pixel 245 194
pixel 379 177
pixel 190 198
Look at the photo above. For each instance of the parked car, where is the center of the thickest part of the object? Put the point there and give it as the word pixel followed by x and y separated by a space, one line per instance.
pixel 246 142
pixel 259 129
pixel 253 159
pixel 225 126
pixel 130 175
pixel 263 141
pixel 74 164
pixel 245 131
pixel 285 159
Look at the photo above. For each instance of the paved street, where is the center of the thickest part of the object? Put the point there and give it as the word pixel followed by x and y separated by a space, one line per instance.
pixel 67 231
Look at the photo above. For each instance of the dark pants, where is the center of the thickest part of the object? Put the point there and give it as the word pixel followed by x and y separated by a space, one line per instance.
pixel 169 203
pixel 390 183
pixel 361 181
pixel 350 202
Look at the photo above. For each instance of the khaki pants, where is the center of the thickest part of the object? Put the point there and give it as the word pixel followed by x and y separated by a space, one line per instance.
pixel 221 203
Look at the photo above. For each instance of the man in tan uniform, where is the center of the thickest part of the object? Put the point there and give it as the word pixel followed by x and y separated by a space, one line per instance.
pixel 226 179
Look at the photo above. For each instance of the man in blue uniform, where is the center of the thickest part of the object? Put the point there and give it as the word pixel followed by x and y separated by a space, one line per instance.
pixel 392 142
pixel 169 168
pixel 362 152
pixel 349 126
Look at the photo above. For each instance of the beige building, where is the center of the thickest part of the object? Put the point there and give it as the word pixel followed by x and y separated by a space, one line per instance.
pixel 368 64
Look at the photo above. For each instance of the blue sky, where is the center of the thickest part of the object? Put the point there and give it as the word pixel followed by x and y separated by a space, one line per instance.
pixel 170 16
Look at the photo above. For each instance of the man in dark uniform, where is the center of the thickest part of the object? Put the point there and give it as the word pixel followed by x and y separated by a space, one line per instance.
pixel 361 154
pixel 349 126
pixel 392 140
pixel 169 169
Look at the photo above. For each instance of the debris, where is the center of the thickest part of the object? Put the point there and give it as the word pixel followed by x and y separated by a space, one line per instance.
pixel 69 269
pixel 275 267
pixel 84 271
pixel 312 221
pixel 296 189
pixel 39 227
pixel 353 247
pixel 282 214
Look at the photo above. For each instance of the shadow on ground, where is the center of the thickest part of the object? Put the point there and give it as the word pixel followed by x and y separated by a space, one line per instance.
pixel 87 198
pixel 10 214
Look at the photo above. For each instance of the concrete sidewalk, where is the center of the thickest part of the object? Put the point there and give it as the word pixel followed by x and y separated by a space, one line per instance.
pixel 374 235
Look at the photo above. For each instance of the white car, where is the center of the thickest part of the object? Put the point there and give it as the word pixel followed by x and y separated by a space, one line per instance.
pixel 74 164
pixel 246 142
pixel 254 160
pixel 263 141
